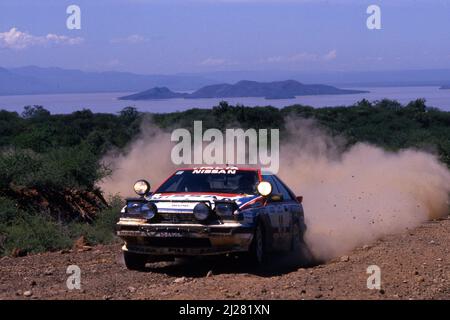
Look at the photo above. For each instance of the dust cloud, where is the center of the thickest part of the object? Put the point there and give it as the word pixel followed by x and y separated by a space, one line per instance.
pixel 147 157
pixel 351 196
pixel 356 196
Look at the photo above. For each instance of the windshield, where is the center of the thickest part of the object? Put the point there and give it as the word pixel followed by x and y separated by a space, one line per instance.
pixel 240 182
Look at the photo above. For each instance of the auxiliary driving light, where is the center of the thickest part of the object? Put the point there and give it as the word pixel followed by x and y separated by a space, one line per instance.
pixel 201 211
pixel 142 187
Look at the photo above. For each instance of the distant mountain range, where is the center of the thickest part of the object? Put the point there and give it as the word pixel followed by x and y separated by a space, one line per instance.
pixel 288 89
pixel 343 79
pixel 36 80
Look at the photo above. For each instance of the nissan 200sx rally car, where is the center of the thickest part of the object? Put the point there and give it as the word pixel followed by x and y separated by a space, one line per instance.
pixel 210 211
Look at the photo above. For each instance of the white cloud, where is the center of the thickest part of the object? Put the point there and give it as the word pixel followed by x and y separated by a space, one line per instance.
pixel 302 57
pixel 54 38
pixel 373 59
pixel 215 62
pixel 112 63
pixel 131 39
pixel 330 55
pixel 17 40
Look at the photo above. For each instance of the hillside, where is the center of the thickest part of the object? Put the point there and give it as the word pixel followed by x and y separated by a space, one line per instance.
pixel 288 89
pixel 270 90
pixel 154 94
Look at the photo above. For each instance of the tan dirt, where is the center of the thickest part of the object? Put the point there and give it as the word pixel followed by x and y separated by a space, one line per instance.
pixel 414 265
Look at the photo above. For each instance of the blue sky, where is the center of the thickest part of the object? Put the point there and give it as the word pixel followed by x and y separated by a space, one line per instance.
pixel 172 36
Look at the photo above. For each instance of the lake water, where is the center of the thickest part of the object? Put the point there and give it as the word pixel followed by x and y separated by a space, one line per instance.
pixel 107 102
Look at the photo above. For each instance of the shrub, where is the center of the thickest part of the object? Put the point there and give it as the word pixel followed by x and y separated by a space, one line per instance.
pixel 34 233
pixel 38 232
pixel 102 230
pixel 8 211
pixel 71 167
pixel 75 167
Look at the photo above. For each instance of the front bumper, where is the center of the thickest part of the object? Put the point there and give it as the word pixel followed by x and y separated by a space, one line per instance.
pixel 183 239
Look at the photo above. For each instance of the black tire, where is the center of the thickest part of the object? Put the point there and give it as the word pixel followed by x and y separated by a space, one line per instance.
pixel 300 251
pixel 134 261
pixel 258 248
pixel 297 238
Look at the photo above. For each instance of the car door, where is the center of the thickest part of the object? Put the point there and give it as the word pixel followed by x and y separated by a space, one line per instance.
pixel 290 209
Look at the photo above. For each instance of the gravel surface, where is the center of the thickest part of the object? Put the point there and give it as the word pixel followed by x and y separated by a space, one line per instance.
pixel 414 265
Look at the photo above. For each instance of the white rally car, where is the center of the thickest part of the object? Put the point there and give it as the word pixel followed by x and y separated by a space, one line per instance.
pixel 208 211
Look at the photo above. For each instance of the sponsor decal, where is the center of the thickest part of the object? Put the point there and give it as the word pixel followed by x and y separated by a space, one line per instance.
pixel 212 170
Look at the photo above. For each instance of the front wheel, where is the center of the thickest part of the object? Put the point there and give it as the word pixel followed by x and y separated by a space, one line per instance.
pixel 258 249
pixel 134 261
pixel 301 253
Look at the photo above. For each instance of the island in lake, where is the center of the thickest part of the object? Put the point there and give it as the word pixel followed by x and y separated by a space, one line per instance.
pixel 445 87
pixel 288 89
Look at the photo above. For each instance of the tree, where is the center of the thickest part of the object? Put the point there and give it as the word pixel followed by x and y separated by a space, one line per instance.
pixel 129 114
pixel 30 112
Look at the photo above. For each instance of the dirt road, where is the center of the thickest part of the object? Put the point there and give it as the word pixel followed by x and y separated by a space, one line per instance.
pixel 414 265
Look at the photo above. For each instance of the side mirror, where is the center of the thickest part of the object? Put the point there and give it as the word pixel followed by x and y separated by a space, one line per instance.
pixel 142 187
pixel 264 188
pixel 299 199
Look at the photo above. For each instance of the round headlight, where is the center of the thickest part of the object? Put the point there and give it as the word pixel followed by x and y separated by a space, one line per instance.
pixel 148 210
pixel 133 208
pixel 264 188
pixel 201 211
pixel 224 209
pixel 141 187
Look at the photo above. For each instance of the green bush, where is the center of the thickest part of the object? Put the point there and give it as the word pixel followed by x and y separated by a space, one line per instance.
pixel 34 233
pixel 74 167
pixel 38 232
pixel 62 168
pixel 8 211
pixel 102 230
